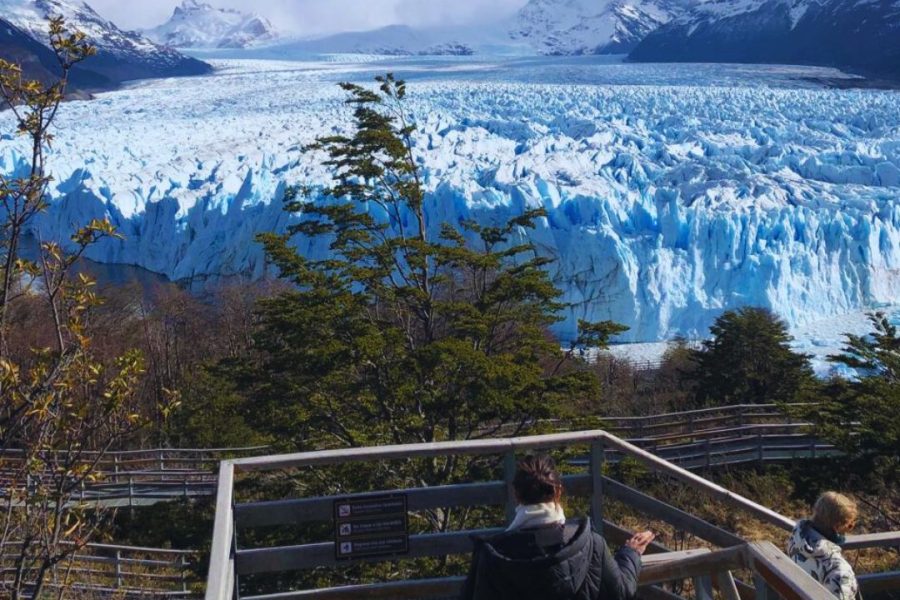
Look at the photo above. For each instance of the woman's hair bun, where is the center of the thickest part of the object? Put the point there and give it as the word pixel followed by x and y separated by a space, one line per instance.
pixel 536 480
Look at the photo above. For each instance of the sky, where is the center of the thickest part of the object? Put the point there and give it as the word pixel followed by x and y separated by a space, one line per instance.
pixel 310 17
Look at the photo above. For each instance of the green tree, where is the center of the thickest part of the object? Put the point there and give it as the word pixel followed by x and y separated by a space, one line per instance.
pixel 749 360
pixel 862 415
pixel 407 331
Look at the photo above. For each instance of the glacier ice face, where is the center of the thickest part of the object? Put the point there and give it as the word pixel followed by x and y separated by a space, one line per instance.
pixel 672 192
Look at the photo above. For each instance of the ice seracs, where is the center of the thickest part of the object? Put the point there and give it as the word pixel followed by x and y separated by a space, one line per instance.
pixel 196 24
pixel 685 191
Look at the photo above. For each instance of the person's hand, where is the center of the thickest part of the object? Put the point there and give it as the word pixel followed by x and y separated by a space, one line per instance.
pixel 640 541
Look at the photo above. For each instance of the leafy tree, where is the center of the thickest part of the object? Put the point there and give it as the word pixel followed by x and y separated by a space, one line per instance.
pixel 408 331
pixel 749 360
pixel 60 407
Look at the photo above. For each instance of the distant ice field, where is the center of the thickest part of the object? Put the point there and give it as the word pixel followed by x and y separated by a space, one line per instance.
pixel 673 192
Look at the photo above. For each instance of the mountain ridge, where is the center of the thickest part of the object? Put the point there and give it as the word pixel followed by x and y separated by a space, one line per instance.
pixel 859 35
pixel 121 55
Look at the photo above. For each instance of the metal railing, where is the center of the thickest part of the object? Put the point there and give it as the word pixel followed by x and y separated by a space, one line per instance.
pixel 229 562
pixel 136 477
pixel 695 439
pixel 123 570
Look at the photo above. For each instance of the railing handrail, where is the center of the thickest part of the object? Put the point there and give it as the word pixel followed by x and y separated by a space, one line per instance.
pixel 116 548
pixel 222 566
pixel 111 453
pixel 502 446
pixel 731 408
pixel 773 568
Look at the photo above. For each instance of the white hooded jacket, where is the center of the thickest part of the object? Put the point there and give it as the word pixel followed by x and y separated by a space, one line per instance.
pixel 822 559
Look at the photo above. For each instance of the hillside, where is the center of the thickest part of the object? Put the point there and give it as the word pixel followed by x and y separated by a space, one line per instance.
pixel 856 34
pixel 121 55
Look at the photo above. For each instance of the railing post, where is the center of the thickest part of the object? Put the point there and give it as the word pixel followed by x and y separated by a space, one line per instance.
pixel 708 454
pixel 763 590
pixel 812 448
pixel 130 491
pixel 220 583
pixel 703 589
pixel 184 566
pixel 759 447
pixel 598 460
pixel 162 464
pixel 727 586
pixel 509 472
pixel 118 569
pixel 116 468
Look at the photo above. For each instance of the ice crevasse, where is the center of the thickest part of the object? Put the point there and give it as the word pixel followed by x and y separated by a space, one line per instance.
pixel 665 204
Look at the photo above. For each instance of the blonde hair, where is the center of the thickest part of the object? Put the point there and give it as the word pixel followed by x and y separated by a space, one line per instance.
pixel 833 510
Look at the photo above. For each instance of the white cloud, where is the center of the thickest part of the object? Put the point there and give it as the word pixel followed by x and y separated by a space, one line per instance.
pixel 322 16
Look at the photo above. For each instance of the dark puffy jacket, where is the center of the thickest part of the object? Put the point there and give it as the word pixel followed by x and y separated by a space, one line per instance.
pixel 551 563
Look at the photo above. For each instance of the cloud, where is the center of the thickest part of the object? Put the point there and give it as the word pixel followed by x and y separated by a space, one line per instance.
pixel 322 16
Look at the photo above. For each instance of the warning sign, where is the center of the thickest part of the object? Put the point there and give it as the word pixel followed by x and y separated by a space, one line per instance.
pixel 371 527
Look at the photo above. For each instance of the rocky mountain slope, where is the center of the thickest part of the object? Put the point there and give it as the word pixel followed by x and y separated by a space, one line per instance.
pixel 121 55
pixel 857 34
pixel 592 26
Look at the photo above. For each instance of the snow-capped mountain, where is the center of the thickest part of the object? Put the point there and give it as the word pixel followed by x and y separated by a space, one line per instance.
pixel 38 62
pixel 121 55
pixel 198 25
pixel 592 26
pixel 859 34
pixel 393 40
pixel 554 27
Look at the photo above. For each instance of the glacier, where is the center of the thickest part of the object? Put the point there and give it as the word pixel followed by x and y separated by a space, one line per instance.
pixel 673 192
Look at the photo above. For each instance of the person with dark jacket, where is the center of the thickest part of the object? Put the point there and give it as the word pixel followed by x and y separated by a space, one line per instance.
pixel 541 557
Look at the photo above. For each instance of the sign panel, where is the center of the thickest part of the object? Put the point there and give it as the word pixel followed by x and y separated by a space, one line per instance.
pixel 374 526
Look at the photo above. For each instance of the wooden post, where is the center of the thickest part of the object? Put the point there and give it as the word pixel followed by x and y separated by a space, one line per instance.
pixel 598 459
pixel 162 464
pixel 703 587
pixel 509 472
pixel 763 590
pixel 116 468
pixel 759 448
pixel 727 586
pixel 130 491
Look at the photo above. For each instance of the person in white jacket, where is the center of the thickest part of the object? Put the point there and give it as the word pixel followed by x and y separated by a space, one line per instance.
pixel 815 544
